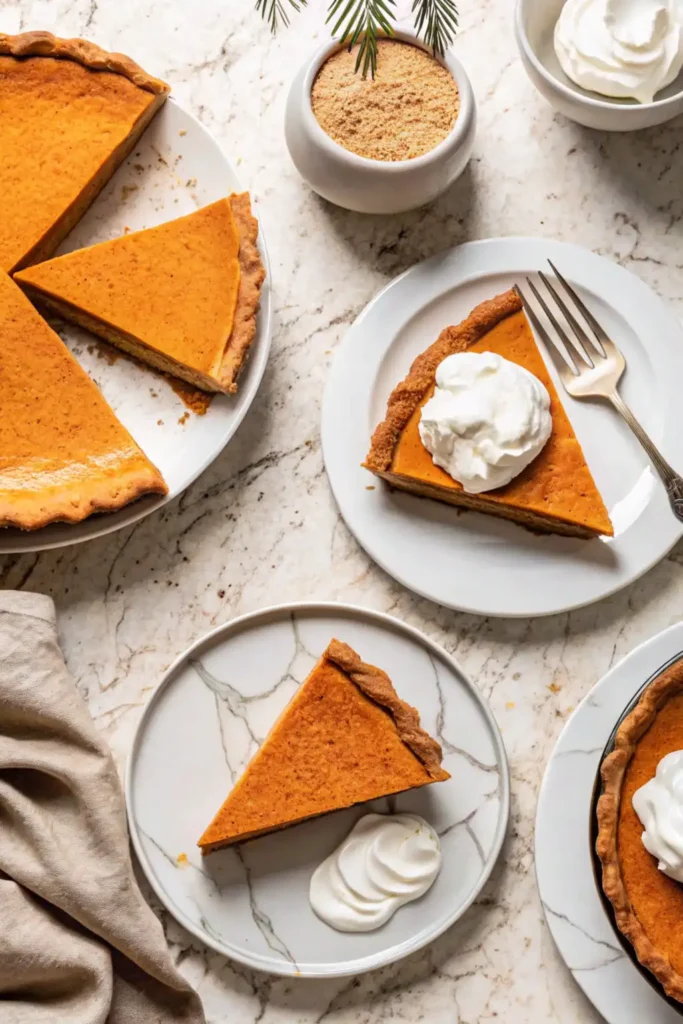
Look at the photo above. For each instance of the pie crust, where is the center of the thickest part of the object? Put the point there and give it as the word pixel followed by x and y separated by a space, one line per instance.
pixel 64 130
pixel 64 454
pixel 181 296
pixel 346 737
pixel 555 493
pixel 665 688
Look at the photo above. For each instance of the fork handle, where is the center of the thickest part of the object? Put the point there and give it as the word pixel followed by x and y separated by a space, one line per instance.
pixel 671 480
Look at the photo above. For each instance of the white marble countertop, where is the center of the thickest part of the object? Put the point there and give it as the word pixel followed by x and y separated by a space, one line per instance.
pixel 260 526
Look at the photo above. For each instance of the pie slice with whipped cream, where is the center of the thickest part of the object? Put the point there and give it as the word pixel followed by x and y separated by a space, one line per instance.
pixel 63 452
pixel 344 738
pixel 181 296
pixel 555 493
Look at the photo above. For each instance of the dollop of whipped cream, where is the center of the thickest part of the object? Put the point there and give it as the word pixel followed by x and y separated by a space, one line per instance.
pixel 385 861
pixel 487 419
pixel 627 49
pixel 659 805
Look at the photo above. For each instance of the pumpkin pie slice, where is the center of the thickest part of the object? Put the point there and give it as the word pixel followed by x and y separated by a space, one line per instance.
pixel 648 905
pixel 556 492
pixel 69 115
pixel 181 296
pixel 344 738
pixel 63 453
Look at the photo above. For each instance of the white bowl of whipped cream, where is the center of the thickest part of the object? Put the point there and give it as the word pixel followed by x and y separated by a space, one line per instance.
pixel 616 65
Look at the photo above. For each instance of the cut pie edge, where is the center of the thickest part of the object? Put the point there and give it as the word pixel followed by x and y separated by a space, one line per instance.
pixel 243 329
pixel 409 393
pixel 91 56
pixel 612 771
pixel 375 684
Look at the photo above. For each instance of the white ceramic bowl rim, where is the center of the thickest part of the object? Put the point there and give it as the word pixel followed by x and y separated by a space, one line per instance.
pixel 575 94
pixel 451 142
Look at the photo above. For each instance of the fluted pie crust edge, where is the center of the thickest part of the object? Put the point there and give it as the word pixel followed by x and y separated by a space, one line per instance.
pixel 613 770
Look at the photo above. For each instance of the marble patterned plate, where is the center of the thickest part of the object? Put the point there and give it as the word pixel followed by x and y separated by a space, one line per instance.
pixel 565 870
pixel 176 168
pixel 203 724
pixel 475 562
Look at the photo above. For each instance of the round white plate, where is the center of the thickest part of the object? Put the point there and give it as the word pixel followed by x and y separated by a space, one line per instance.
pixel 574 910
pixel 175 168
pixel 475 562
pixel 203 725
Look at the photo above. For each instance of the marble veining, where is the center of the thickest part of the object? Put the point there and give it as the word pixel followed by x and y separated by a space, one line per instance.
pixel 260 526
pixel 251 901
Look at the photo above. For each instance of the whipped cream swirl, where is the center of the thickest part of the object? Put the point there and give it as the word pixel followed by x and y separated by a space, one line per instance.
pixel 486 421
pixel 659 805
pixel 627 49
pixel 385 861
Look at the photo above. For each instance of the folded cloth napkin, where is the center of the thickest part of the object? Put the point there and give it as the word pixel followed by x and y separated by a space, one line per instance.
pixel 78 943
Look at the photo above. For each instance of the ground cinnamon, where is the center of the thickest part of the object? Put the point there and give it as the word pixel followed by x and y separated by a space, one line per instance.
pixel 407 109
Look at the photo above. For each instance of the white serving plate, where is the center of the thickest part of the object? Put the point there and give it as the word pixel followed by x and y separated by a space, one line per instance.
pixel 565 866
pixel 203 724
pixel 475 562
pixel 176 168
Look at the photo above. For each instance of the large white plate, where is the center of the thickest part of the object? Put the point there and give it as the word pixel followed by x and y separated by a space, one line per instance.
pixel 574 910
pixel 204 723
pixel 475 562
pixel 175 168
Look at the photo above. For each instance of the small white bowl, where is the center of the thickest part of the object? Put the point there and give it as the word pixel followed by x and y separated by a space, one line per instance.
pixel 375 186
pixel 535 22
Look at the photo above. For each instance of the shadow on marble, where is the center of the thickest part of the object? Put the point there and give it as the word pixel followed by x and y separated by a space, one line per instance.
pixel 642 166
pixel 393 243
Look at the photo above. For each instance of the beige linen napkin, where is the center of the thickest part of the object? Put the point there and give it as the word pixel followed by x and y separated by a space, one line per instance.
pixel 78 943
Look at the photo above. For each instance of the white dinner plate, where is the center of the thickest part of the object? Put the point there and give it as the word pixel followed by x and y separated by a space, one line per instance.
pixel 475 562
pixel 175 168
pixel 203 724
pixel 565 865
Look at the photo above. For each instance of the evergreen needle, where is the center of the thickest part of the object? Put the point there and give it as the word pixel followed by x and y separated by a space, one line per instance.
pixel 363 21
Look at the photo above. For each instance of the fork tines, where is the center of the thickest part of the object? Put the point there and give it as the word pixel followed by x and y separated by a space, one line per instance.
pixel 580 347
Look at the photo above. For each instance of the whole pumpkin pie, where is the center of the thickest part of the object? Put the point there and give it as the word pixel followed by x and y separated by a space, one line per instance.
pixel 69 115
pixel 648 904
pixel 344 738
pixel 63 452
pixel 181 296
pixel 555 493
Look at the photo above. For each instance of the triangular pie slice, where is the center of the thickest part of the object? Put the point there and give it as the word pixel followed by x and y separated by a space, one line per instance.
pixel 344 738
pixel 182 296
pixel 63 453
pixel 69 115
pixel 556 493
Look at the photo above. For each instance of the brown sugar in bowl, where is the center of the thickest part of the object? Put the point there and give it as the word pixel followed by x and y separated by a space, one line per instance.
pixel 371 185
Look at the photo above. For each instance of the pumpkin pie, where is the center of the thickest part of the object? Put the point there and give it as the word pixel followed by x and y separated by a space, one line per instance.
pixel 555 493
pixel 648 905
pixel 344 738
pixel 181 296
pixel 69 115
pixel 63 453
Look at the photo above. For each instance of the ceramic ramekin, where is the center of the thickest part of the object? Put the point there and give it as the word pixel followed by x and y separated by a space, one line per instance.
pixel 375 186
pixel 535 22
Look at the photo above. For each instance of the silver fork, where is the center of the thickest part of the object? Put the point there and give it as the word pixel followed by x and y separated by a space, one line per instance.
pixel 595 368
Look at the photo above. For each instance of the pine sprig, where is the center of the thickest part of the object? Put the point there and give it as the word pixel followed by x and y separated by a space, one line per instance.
pixel 437 22
pixel 275 12
pixel 362 21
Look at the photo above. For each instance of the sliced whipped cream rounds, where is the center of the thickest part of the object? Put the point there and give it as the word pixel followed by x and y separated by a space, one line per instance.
pixel 659 805
pixel 626 49
pixel 385 861
pixel 486 421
